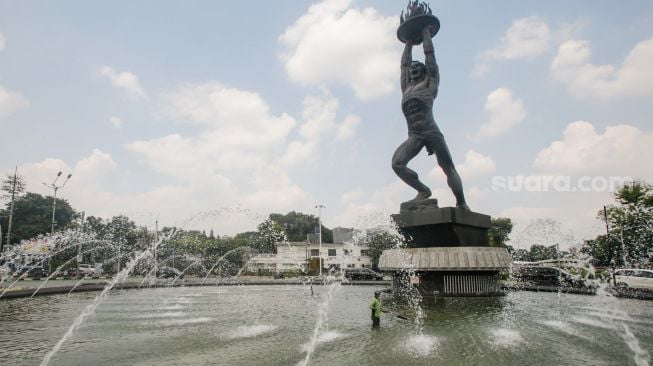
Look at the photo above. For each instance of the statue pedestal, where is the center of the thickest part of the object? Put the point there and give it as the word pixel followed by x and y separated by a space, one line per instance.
pixel 447 254
pixel 443 227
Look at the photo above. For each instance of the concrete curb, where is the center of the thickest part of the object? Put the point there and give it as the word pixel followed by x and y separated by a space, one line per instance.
pixel 54 290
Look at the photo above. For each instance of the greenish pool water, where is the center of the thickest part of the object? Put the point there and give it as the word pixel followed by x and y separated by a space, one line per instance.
pixel 274 325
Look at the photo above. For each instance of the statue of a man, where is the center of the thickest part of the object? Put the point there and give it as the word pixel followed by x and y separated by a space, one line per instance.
pixel 419 84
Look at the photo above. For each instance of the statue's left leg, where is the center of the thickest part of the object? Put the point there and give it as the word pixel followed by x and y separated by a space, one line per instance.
pixel 439 147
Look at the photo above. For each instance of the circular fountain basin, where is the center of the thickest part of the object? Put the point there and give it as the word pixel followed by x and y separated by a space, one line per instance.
pixel 273 325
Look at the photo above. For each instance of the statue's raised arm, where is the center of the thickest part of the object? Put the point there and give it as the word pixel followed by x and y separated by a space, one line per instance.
pixel 432 68
pixel 406 60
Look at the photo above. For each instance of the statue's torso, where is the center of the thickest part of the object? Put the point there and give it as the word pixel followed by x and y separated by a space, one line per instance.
pixel 417 106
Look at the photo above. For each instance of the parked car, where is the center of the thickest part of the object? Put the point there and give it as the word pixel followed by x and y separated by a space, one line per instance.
pixel 548 276
pixel 86 269
pixel 71 272
pixel 31 271
pixel 634 278
pixel 362 274
pixel 169 272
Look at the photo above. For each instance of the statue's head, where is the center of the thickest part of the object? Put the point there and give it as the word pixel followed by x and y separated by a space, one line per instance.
pixel 417 71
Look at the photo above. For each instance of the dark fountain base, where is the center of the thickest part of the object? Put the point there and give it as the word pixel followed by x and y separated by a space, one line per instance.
pixel 447 254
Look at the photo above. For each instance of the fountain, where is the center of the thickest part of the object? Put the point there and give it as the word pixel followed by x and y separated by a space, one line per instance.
pixel 446 254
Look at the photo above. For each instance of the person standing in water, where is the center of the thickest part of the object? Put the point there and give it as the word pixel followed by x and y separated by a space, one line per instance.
pixel 375 307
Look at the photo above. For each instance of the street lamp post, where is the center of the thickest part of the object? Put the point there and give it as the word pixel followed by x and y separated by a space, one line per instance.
pixel 54 199
pixel 319 223
pixel 79 246
pixel 156 243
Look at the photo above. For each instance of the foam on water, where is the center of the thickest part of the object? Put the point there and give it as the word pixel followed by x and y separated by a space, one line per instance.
pixel 186 321
pixel 250 331
pixel 506 337
pixel 619 317
pixel 181 300
pixel 421 345
pixel 214 292
pixel 559 325
pixel 592 322
pixel 326 337
pixel 171 314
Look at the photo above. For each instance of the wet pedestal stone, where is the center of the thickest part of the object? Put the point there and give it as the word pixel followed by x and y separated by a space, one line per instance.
pixel 443 227
pixel 447 253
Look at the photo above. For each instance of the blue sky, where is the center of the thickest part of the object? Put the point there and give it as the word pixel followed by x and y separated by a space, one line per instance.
pixel 212 114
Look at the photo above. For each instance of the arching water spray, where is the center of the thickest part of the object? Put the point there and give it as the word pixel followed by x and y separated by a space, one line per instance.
pixel 322 318
pixel 90 309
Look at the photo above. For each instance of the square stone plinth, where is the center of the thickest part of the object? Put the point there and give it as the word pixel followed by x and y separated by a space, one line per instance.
pixel 443 227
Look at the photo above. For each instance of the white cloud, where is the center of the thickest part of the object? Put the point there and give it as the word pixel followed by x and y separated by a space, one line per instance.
pixel 238 133
pixel 634 77
pixel 618 151
pixel 125 80
pixel 319 122
pixel 347 128
pixel 43 172
pixel 205 201
pixel 505 111
pixel 299 152
pixel 238 147
pixel 11 102
pixel 593 163
pixel 116 121
pixel 2 42
pixel 95 166
pixel 233 118
pixel 335 43
pixel 475 165
pixel 525 39
pixel 351 196
pixel 369 208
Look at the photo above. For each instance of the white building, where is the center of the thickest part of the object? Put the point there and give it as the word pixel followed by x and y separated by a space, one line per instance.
pixel 295 256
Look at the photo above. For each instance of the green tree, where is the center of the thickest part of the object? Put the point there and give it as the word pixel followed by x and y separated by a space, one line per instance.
pixel 269 233
pixel 630 223
pixel 13 186
pixel 379 240
pixel 33 216
pixel 123 234
pixel 499 233
pixel 541 252
pixel 298 226
pixel 600 250
pixel 521 255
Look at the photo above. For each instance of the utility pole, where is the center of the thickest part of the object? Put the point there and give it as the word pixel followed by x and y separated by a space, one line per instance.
pixel 156 243
pixel 11 209
pixel 319 222
pixel 54 199
pixel 607 241
pixel 79 246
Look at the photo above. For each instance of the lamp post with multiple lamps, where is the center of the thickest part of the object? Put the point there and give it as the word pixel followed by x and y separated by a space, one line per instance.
pixel 319 223
pixel 55 187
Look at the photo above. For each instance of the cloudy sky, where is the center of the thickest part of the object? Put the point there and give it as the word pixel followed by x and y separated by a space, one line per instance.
pixel 212 114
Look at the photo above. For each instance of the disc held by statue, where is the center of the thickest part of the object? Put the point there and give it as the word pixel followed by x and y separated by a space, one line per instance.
pixel 417 16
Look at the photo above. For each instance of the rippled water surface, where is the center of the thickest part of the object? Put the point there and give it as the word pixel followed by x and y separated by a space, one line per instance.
pixel 273 325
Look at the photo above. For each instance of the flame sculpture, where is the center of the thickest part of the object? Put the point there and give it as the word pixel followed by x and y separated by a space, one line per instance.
pixel 415 8
pixel 412 21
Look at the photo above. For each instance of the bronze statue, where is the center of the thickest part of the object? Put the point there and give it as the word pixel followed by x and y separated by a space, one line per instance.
pixel 419 85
